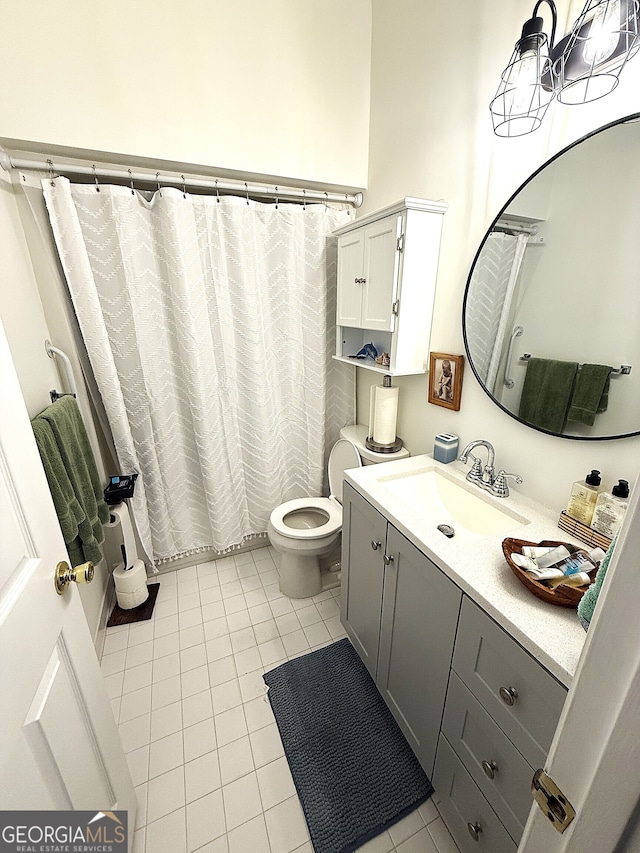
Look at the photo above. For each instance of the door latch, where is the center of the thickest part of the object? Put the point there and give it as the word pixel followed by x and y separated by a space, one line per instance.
pixel 552 801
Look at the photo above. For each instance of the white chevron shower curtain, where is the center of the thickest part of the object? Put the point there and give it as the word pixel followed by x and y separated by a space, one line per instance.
pixel 489 303
pixel 209 328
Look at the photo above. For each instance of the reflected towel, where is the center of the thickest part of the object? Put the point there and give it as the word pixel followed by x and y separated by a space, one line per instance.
pixel 76 454
pixel 591 393
pixel 546 393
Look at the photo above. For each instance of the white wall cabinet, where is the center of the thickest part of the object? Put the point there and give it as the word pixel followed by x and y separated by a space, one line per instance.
pixel 387 268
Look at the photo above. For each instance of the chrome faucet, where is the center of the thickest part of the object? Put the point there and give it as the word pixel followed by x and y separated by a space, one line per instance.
pixel 485 478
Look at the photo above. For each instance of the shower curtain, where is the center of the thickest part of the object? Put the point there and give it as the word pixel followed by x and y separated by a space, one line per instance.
pixel 488 310
pixel 207 321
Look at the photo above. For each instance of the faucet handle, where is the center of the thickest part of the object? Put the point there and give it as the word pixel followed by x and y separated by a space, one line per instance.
pixel 475 472
pixel 500 487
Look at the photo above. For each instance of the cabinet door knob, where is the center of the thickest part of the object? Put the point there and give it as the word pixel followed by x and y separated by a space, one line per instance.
pixel 375 545
pixel 508 695
pixel 387 559
pixel 490 768
pixel 474 830
pixel 360 280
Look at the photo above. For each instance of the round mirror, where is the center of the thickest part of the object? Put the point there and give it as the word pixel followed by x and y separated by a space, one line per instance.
pixel 551 311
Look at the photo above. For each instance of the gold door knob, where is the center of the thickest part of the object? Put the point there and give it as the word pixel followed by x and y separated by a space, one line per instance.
pixel 64 575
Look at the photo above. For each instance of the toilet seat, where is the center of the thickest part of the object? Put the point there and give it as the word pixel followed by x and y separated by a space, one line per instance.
pixel 328 506
pixel 343 455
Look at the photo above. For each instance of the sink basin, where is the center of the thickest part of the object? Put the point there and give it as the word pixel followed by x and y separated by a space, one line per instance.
pixel 449 500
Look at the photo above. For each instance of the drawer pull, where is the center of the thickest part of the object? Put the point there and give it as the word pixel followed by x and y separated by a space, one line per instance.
pixel 508 695
pixel 490 769
pixel 474 830
pixel 375 545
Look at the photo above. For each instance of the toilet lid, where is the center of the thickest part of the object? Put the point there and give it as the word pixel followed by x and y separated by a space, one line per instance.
pixel 343 455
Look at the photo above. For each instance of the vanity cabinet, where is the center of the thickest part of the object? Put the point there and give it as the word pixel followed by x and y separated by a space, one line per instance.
pixel 478 709
pixel 400 611
pixel 501 712
pixel 387 266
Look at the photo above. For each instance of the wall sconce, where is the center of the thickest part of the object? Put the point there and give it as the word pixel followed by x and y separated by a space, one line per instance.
pixel 585 65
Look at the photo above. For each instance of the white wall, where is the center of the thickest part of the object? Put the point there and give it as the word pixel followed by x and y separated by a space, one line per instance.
pixel 273 87
pixel 435 67
pixel 279 87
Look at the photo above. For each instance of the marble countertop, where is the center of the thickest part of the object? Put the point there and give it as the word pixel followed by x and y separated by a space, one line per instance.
pixel 553 635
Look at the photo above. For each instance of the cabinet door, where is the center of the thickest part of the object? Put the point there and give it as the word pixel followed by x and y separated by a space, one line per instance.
pixel 381 269
pixel 419 620
pixel 363 542
pixel 350 278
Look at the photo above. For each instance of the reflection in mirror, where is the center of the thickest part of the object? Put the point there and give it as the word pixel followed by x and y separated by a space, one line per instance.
pixel 552 308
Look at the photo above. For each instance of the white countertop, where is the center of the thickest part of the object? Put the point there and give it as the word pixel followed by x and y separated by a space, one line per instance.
pixel 553 635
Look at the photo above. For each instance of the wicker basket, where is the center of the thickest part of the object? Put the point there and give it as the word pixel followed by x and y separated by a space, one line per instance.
pixel 562 596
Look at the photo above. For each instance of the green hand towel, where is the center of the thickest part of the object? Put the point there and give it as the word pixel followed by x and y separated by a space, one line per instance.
pixel 77 457
pixel 68 510
pixel 591 394
pixel 546 393
pixel 588 601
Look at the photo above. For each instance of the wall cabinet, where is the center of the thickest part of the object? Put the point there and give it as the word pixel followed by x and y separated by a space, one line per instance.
pixel 387 267
pixel 425 642
pixel 400 612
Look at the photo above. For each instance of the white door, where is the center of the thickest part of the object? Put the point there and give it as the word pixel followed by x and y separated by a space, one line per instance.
pixel 595 754
pixel 350 279
pixel 381 268
pixel 59 745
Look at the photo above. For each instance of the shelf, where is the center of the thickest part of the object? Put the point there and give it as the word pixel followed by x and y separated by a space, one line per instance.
pixel 369 365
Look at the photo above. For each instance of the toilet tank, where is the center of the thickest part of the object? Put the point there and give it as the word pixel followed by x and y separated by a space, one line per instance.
pixel 357 434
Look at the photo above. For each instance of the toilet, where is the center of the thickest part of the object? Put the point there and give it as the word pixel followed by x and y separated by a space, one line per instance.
pixel 304 530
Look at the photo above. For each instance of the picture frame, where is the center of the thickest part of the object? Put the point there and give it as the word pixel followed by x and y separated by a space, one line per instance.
pixel 445 380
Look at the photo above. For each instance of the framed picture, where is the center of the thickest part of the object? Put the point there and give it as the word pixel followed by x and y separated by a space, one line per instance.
pixel 445 380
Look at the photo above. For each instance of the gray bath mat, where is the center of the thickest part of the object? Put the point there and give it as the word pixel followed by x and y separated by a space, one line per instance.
pixel 354 771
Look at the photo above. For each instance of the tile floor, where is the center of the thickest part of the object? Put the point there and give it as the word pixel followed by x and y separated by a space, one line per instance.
pixel 200 737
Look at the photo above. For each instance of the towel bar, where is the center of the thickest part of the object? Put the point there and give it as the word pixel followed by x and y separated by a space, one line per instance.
pixel 623 370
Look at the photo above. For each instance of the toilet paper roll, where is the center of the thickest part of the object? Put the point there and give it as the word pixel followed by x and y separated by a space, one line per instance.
pixel 119 516
pixel 129 600
pixel 383 413
pixel 132 579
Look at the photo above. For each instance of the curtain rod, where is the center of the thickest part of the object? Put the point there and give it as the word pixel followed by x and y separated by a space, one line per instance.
pixel 8 162
pixel 507 228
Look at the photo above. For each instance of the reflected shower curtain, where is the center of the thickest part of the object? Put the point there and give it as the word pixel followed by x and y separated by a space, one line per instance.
pixel 488 309
pixel 209 330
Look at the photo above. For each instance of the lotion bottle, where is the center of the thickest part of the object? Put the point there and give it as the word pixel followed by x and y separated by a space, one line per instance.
pixel 584 495
pixel 610 509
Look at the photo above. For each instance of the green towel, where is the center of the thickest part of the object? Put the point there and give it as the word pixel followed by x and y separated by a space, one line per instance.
pixel 69 511
pixel 546 393
pixel 76 455
pixel 591 394
pixel 588 601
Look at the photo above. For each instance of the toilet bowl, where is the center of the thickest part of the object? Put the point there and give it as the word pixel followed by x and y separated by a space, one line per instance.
pixel 306 529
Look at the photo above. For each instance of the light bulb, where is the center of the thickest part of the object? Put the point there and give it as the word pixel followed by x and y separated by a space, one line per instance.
pixel 604 33
pixel 523 83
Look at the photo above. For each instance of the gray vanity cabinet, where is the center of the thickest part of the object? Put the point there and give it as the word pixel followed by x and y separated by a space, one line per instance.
pixel 401 613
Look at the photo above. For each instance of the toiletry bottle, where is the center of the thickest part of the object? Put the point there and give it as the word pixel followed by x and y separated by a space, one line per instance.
pixel 584 494
pixel 610 509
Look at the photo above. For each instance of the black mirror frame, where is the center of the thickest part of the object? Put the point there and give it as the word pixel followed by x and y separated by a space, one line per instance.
pixel 634 117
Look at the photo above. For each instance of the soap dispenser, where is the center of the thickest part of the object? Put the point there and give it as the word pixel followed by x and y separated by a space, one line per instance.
pixel 610 509
pixel 584 495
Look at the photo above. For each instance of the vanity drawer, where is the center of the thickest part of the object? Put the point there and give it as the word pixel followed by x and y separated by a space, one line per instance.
pixel 467 814
pixel 521 696
pixel 476 738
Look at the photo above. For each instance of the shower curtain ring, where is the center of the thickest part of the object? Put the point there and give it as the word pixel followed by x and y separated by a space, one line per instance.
pixel 51 175
pixel 95 178
pixel 184 187
pixel 246 187
pixel 217 192
pixel 326 200
pixel 304 199
pixel 159 191
pixel 276 198
pixel 133 192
